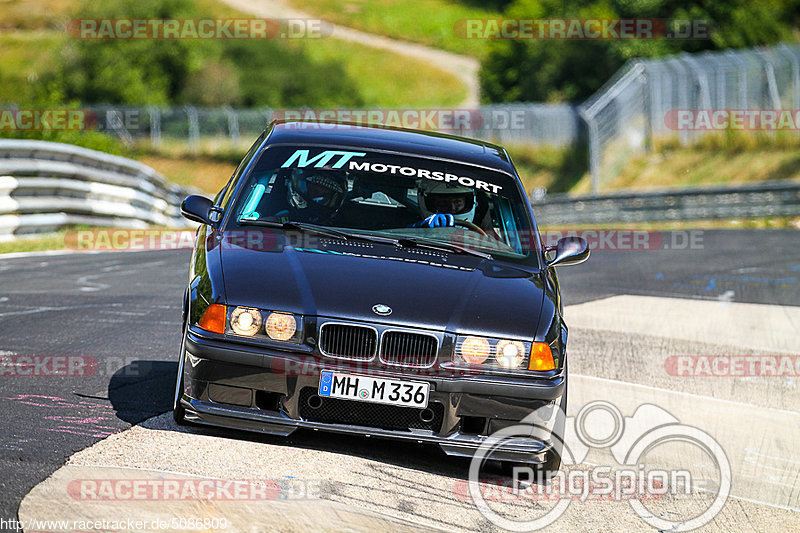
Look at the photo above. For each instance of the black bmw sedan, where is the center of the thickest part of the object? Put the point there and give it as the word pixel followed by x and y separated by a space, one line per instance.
pixel 375 281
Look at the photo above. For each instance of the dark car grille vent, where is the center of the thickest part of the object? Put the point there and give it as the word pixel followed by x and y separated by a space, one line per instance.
pixel 346 244
pixel 351 412
pixel 348 341
pixel 408 349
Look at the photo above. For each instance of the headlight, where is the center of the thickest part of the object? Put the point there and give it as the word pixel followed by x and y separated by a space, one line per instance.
pixel 474 350
pixel 509 354
pixel 281 326
pixel 502 354
pixel 245 321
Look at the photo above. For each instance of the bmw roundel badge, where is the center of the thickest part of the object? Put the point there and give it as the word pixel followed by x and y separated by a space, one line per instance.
pixel 383 310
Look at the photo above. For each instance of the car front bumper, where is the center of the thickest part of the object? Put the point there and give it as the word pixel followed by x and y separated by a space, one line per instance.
pixel 269 391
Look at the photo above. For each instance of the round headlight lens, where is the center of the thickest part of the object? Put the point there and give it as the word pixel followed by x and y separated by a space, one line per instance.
pixel 281 326
pixel 475 350
pixel 509 354
pixel 245 321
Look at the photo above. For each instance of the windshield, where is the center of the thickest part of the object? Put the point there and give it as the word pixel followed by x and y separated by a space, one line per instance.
pixel 387 195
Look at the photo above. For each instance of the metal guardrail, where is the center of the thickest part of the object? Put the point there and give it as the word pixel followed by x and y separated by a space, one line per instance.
pixel 763 199
pixel 45 186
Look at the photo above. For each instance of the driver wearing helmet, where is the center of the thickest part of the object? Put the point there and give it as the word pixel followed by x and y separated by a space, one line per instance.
pixel 314 195
pixel 443 204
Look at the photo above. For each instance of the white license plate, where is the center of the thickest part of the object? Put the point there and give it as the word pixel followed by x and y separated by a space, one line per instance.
pixel 377 390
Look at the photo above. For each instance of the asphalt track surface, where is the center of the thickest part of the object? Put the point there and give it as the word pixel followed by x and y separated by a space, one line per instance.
pixel 122 310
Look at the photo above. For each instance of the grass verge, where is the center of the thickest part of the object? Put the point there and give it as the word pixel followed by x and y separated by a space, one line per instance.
pixel 716 159
pixel 429 22
pixel 38 243
pixel 386 79
pixel 208 174
pixel 557 169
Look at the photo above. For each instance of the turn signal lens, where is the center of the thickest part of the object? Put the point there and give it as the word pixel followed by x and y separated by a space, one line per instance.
pixel 281 326
pixel 245 321
pixel 509 354
pixel 541 357
pixel 475 350
pixel 213 319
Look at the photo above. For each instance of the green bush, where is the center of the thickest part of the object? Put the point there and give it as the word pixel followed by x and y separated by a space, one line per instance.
pixel 278 76
pixel 203 72
pixel 131 71
pixel 49 97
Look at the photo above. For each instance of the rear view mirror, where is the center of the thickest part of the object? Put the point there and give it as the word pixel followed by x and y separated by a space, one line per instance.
pixel 200 209
pixel 570 251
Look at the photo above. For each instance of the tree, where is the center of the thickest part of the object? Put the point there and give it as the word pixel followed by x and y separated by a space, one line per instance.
pixel 571 70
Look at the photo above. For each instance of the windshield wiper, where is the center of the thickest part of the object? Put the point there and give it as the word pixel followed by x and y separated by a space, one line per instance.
pixel 297 226
pixel 409 242
pixel 418 242
pixel 321 230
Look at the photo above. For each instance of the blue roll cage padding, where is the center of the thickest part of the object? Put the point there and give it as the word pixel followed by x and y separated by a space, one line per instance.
pixel 249 211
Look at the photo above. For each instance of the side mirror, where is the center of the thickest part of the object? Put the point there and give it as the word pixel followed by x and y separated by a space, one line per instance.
pixel 570 251
pixel 200 209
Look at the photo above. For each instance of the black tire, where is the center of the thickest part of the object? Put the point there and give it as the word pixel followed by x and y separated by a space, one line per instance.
pixel 178 411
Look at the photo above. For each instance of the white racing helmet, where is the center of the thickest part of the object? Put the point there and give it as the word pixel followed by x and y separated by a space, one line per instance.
pixel 448 198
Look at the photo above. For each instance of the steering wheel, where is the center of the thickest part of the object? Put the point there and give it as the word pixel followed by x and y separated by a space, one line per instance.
pixel 470 225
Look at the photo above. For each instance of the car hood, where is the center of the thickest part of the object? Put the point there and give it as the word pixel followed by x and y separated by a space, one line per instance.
pixel 424 288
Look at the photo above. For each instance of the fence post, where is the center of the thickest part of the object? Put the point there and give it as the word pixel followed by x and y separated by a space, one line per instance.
pixel 742 71
pixel 594 148
pixel 267 116
pixel 648 110
pixel 115 123
pixel 233 125
pixel 772 85
pixel 194 128
pixel 795 75
pixel 155 127
pixel 680 69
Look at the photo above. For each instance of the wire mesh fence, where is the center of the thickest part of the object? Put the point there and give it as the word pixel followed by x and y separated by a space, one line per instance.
pixel 197 128
pixel 687 96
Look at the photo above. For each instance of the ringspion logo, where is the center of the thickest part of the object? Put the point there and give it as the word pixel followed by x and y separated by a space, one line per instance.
pixel 636 477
